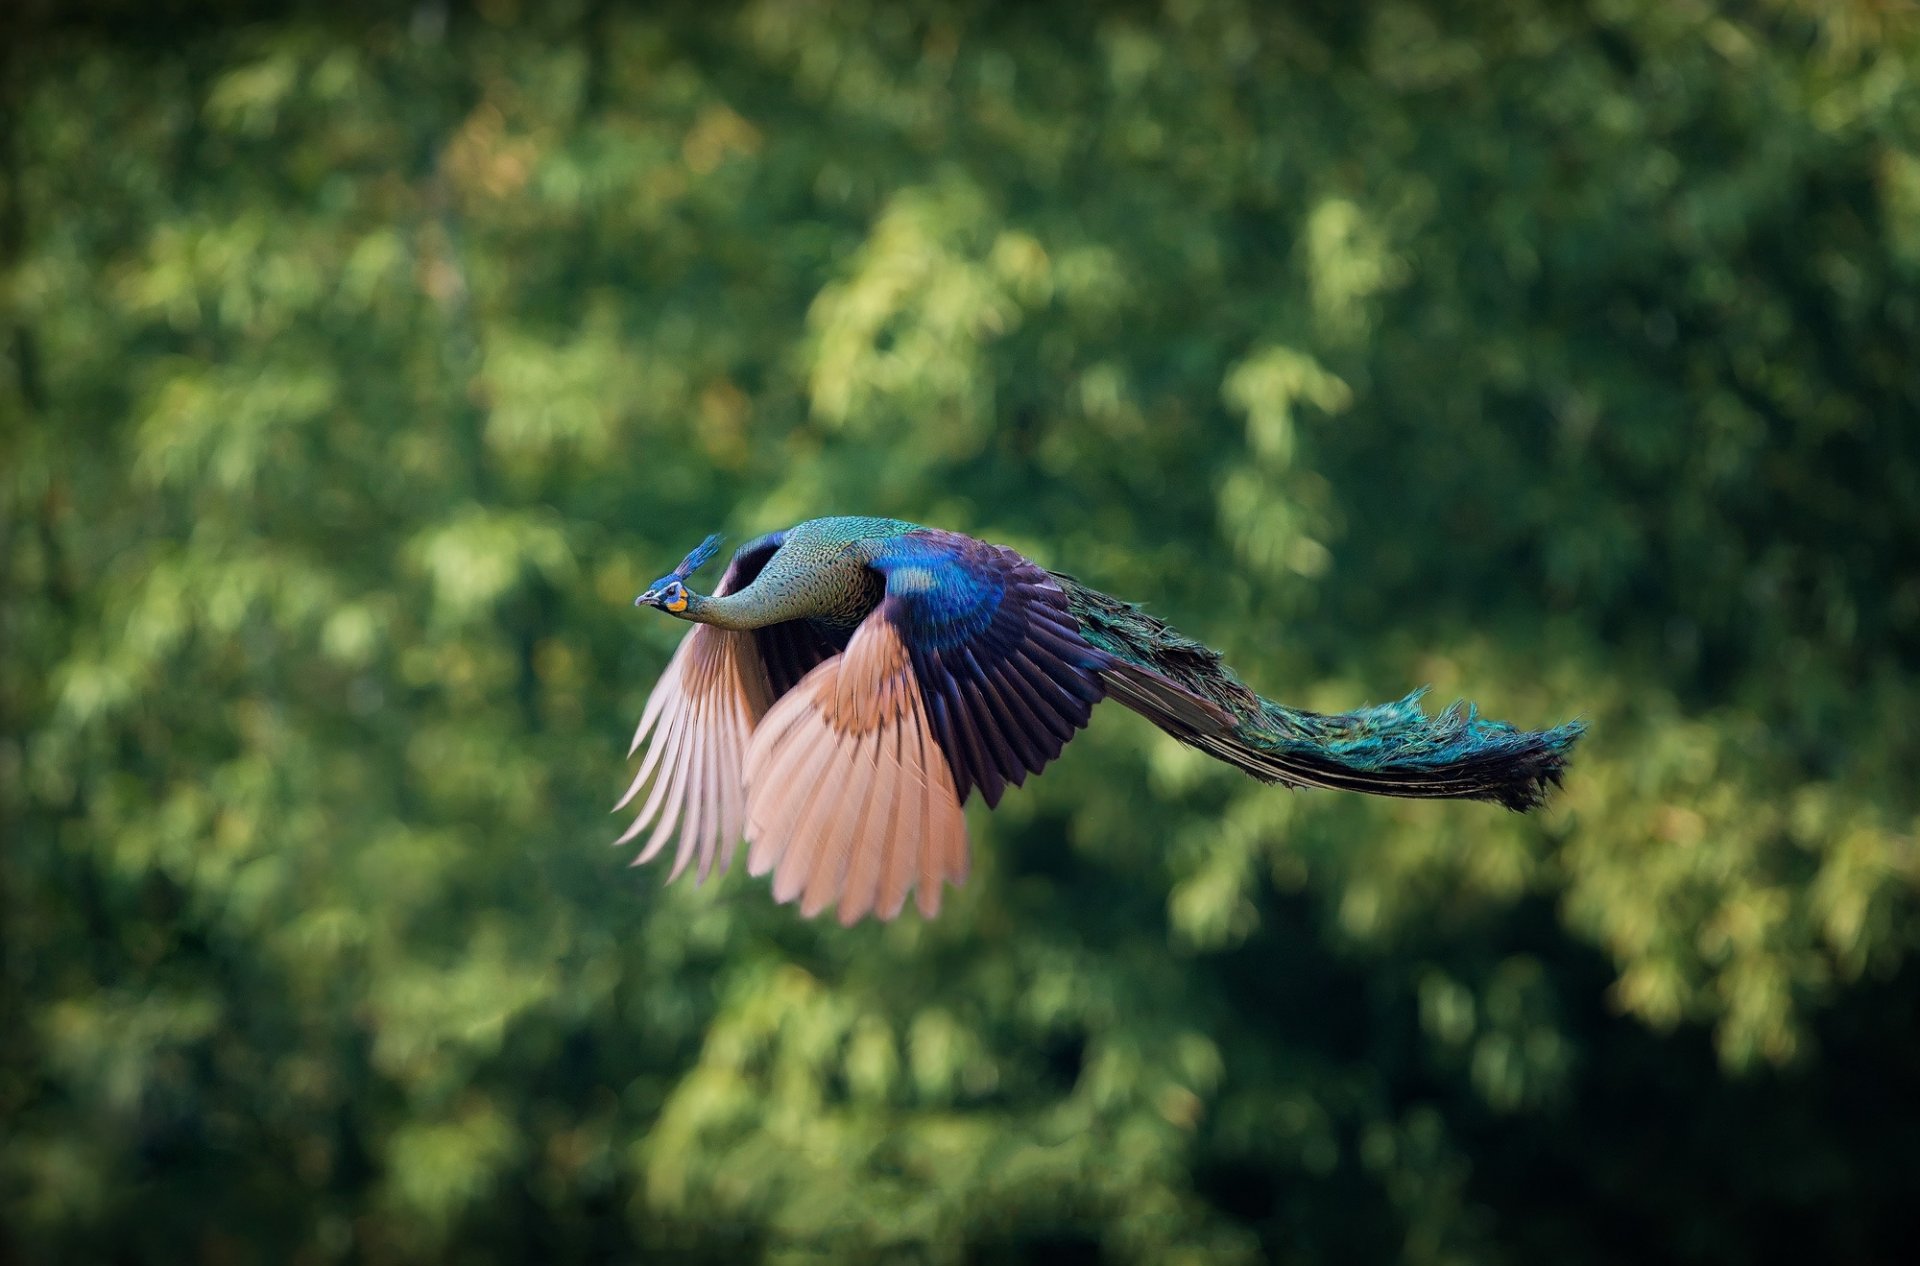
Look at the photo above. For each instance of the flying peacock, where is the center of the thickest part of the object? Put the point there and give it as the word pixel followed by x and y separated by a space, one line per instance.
pixel 852 681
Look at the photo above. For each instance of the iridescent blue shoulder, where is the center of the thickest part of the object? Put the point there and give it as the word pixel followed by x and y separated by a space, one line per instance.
pixel 950 585
pixel 1000 660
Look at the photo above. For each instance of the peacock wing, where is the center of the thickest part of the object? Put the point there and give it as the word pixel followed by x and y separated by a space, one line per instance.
pixel 696 727
pixel 700 715
pixel 970 673
pixel 1007 676
pixel 849 798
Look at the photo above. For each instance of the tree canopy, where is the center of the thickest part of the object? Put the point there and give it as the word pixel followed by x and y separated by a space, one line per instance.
pixel 359 369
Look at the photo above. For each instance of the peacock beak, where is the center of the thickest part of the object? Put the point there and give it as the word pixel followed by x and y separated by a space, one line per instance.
pixel 651 598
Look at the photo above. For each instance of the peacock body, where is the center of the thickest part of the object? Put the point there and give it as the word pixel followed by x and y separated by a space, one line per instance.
pixel 852 681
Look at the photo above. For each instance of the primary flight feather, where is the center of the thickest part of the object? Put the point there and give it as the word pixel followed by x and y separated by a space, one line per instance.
pixel 852 681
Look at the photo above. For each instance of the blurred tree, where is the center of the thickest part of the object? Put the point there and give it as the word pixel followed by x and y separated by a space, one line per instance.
pixel 359 369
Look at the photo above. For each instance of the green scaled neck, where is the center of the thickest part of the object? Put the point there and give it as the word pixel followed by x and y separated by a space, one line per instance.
pixel 784 590
pixel 740 611
pixel 820 572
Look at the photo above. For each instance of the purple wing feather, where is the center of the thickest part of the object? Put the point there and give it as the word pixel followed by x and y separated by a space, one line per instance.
pixel 1005 674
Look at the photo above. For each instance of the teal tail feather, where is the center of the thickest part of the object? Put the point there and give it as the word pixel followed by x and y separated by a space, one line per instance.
pixel 1396 749
pixel 1392 749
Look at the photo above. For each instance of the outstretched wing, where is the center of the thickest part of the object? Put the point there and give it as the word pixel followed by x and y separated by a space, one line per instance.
pixel 970 673
pixel 700 715
pixel 1005 672
pixel 849 798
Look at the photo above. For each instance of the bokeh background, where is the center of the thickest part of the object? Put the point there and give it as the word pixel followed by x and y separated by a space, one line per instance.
pixel 362 362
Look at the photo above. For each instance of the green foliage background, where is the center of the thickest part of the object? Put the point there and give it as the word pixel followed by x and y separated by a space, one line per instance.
pixel 359 370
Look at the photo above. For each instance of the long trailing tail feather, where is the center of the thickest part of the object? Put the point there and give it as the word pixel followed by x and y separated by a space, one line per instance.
pixel 1392 749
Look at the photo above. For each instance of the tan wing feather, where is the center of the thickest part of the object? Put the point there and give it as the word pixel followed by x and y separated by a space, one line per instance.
pixel 700 718
pixel 849 799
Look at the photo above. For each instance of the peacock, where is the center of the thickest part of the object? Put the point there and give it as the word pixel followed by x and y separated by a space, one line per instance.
pixel 852 681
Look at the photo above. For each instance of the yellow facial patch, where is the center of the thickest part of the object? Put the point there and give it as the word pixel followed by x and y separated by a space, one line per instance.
pixel 679 602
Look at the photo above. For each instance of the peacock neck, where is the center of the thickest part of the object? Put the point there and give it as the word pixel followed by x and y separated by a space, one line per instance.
pixel 753 608
pixel 820 572
pixel 740 611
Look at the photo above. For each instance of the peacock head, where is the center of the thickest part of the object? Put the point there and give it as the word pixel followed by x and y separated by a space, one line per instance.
pixel 670 592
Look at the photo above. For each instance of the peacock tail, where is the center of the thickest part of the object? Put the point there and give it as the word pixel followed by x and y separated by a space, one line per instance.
pixel 1390 749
